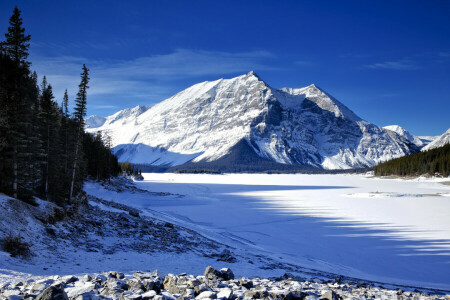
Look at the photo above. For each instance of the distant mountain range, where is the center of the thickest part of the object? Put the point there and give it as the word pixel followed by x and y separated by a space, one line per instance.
pixel 243 123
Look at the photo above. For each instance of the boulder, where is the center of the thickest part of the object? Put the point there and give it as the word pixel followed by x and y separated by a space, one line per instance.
pixel 296 295
pixel 330 295
pixel 178 289
pixel 212 274
pixel 148 295
pixel 248 284
pixel 117 284
pixel 135 285
pixel 69 279
pixel 82 288
pixel 114 274
pixel 142 275
pixel 169 281
pixel 192 283
pixel 256 294
pixel 201 288
pixel 207 295
pixel 53 293
pixel 152 285
pixel 225 294
pixel 227 274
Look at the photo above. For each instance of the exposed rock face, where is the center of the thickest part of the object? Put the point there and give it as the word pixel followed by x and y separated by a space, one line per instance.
pixel 300 127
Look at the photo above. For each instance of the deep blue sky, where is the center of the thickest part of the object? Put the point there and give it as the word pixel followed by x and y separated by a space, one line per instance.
pixel 388 61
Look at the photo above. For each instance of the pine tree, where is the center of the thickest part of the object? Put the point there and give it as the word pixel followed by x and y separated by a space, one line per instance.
pixel 79 114
pixel 17 43
pixel 18 109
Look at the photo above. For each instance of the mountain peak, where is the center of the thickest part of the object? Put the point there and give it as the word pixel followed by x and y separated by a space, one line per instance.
pixel 204 123
pixel 253 74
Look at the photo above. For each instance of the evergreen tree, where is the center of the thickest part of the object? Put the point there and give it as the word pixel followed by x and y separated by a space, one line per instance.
pixel 17 42
pixel 18 103
pixel 40 141
pixel 79 114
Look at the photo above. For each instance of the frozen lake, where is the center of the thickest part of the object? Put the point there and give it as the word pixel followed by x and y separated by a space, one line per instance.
pixel 389 230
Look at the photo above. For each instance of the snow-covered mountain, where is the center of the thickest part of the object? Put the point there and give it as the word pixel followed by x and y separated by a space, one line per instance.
pixel 419 142
pixel 94 121
pixel 118 119
pixel 439 141
pixel 227 118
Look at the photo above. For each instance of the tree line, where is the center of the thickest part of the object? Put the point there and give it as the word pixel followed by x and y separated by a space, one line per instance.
pixel 44 150
pixel 429 162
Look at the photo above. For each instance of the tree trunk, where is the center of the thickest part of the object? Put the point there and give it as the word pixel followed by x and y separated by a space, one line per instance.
pixel 75 160
pixel 15 179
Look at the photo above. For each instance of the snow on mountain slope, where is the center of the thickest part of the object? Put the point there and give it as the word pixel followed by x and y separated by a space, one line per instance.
pixel 404 133
pixel 94 121
pixel 291 126
pixel 439 141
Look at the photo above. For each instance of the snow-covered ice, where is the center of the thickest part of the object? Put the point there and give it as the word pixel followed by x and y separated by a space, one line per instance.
pixel 390 230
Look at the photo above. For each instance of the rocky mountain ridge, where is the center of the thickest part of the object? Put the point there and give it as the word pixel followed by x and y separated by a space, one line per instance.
pixel 292 127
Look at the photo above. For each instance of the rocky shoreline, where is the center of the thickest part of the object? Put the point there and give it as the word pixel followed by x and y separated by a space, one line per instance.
pixel 213 284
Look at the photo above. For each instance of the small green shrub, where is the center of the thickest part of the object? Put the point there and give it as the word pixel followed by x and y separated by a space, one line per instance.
pixel 15 245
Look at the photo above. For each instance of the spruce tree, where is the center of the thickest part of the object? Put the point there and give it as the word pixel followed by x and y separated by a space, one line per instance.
pixel 18 109
pixel 79 114
pixel 17 42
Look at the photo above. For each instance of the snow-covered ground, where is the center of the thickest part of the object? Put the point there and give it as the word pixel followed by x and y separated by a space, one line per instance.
pixel 388 230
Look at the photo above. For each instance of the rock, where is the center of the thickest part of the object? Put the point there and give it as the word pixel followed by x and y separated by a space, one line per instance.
pixel 53 293
pixel 142 275
pixel 296 295
pixel 178 289
pixel 225 293
pixel 152 285
pixel 114 274
pixel 256 294
pixel 132 297
pixel 181 280
pixel 212 274
pixel 88 296
pixel 225 256
pixel 167 296
pixel 148 295
pixel 190 293
pixel 37 287
pixel 82 288
pixel 201 288
pixel 192 283
pixel 207 295
pixel 118 284
pixel 248 284
pixel 135 285
pixel 280 294
pixel 330 295
pixel 69 279
pixel 169 281
pixel 100 279
pixel 227 274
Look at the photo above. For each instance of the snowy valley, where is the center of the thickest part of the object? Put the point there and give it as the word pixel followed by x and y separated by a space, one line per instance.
pixel 316 228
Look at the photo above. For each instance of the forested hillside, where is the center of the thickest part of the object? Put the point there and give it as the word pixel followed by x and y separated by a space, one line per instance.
pixel 44 150
pixel 428 162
